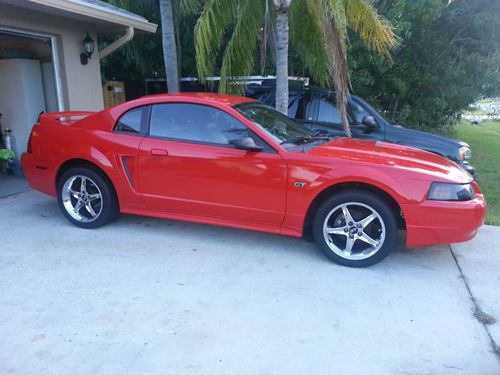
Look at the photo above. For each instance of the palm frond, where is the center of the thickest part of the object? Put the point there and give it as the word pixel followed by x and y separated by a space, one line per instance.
pixel 308 39
pixel 209 30
pixel 188 7
pixel 335 34
pixel 240 51
pixel 268 36
pixel 335 10
pixel 375 31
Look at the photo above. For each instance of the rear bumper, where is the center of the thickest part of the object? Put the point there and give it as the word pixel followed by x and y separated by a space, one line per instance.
pixel 39 174
pixel 439 222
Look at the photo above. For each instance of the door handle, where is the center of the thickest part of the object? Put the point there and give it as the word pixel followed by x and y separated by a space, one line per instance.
pixel 159 152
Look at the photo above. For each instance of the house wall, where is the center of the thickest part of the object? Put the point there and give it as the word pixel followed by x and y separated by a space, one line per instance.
pixel 81 84
pixel 49 84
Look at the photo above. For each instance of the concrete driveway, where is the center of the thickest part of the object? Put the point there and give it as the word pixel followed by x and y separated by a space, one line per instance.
pixel 148 296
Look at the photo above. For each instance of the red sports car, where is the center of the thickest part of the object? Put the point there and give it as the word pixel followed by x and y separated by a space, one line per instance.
pixel 228 160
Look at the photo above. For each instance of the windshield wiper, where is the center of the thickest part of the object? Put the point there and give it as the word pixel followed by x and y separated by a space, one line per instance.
pixel 308 138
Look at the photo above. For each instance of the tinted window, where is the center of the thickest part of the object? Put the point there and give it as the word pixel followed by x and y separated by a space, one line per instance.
pixel 309 109
pixel 294 102
pixel 131 121
pixel 278 126
pixel 192 122
pixel 356 113
pixel 327 111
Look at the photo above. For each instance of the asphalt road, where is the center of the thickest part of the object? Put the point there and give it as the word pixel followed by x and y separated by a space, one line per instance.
pixel 150 296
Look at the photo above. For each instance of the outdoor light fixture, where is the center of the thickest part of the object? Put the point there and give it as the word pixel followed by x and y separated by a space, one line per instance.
pixel 88 47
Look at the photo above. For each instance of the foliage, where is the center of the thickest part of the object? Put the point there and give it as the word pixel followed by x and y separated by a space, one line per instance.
pixel 143 57
pixel 306 29
pixel 485 142
pixel 138 59
pixel 322 48
pixel 448 57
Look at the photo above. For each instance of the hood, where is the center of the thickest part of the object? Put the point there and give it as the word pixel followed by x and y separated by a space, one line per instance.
pixel 427 141
pixel 389 154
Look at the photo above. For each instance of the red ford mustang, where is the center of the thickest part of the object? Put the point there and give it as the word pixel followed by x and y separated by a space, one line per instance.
pixel 228 160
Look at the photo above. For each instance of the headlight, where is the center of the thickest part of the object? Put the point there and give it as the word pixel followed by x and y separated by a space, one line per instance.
pixel 450 192
pixel 464 153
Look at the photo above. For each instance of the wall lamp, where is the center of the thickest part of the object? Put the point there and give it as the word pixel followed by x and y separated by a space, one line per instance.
pixel 88 48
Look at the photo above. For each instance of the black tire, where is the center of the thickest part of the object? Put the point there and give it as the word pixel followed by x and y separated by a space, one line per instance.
pixel 107 206
pixel 381 230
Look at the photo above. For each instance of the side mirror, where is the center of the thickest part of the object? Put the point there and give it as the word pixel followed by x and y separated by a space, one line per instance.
pixel 369 122
pixel 246 143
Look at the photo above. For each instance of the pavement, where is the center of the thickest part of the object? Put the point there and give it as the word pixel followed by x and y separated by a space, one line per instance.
pixel 10 185
pixel 151 296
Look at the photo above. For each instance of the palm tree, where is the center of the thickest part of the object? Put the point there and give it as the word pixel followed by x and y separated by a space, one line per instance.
pixel 143 54
pixel 168 15
pixel 169 45
pixel 281 8
pixel 318 31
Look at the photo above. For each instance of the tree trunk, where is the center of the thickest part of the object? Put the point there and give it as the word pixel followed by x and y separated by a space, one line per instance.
pixel 169 45
pixel 281 7
pixel 395 109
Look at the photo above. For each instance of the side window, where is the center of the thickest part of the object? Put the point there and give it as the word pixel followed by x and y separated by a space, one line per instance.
pixel 198 123
pixel 356 112
pixel 302 104
pixel 294 102
pixel 269 98
pixel 327 111
pixel 310 107
pixel 131 122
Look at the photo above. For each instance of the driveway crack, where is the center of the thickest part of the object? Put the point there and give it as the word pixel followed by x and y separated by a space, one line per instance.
pixel 14 194
pixel 480 316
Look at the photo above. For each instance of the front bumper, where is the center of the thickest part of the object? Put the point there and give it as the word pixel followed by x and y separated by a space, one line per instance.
pixel 443 222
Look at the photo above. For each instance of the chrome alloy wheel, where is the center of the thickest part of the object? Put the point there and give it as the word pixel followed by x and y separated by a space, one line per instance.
pixel 82 198
pixel 354 231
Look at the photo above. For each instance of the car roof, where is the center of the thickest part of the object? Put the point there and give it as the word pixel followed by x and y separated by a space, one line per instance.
pixel 303 89
pixel 209 96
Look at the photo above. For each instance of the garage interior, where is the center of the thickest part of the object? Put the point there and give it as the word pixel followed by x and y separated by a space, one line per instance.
pixel 27 87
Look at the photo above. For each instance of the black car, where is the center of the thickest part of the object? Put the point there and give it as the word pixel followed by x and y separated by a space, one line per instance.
pixel 316 109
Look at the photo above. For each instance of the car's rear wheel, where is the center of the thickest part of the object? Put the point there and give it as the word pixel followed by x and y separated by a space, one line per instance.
pixel 86 198
pixel 355 228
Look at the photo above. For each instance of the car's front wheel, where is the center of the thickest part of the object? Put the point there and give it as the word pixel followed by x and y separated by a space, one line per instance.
pixel 86 198
pixel 355 228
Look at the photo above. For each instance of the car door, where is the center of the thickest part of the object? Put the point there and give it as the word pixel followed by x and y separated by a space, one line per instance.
pixel 301 109
pixel 298 103
pixel 357 115
pixel 327 118
pixel 187 164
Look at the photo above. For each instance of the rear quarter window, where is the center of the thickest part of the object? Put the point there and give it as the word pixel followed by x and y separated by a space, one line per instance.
pixel 133 121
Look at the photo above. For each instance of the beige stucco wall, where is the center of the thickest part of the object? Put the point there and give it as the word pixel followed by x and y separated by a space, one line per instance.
pixel 81 84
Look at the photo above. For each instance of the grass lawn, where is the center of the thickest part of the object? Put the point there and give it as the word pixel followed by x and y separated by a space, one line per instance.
pixel 484 140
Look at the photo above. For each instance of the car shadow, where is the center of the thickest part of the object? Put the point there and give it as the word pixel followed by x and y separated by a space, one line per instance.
pixel 195 237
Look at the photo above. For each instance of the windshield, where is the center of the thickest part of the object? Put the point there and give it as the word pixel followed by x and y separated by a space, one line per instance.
pixel 278 126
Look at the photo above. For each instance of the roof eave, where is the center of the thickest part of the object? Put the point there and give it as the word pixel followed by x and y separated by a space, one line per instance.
pixel 96 12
